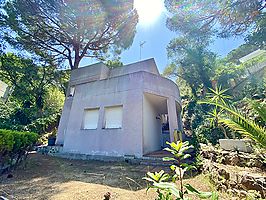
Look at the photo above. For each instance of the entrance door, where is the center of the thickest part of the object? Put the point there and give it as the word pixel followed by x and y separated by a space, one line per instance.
pixel 165 137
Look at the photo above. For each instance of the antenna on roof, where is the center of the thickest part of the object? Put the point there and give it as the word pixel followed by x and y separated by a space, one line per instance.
pixel 141 43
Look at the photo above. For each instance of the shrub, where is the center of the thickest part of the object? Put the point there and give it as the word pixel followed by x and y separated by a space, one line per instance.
pixel 166 186
pixel 14 146
pixel 207 134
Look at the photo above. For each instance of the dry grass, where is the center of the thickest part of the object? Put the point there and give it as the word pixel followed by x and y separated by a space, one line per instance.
pixel 46 177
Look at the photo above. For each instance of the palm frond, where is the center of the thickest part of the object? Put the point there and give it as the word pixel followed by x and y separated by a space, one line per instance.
pixel 238 122
pixel 247 128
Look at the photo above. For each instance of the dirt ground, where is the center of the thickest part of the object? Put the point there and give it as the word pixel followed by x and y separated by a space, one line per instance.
pixel 45 177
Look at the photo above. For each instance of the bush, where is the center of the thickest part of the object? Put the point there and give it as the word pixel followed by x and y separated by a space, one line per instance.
pixel 14 146
pixel 206 134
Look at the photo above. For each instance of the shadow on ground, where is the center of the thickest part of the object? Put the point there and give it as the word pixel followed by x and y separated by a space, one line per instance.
pixel 42 173
pixel 45 177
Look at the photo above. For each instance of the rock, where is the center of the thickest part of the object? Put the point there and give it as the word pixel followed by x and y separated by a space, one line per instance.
pixel 254 183
pixel 224 174
pixel 221 187
pixel 232 184
pixel 242 145
pixel 107 196
pixel 234 160
pixel 230 191
pixel 242 194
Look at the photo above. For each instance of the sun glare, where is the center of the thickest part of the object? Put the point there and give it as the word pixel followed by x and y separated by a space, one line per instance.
pixel 149 10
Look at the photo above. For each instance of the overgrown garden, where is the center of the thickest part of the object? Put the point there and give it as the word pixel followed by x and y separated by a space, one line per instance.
pixel 222 97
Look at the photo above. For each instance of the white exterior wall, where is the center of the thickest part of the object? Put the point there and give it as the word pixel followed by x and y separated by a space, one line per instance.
pixel 152 129
pixel 111 142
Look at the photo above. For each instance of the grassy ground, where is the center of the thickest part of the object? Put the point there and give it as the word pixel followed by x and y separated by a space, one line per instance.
pixel 46 177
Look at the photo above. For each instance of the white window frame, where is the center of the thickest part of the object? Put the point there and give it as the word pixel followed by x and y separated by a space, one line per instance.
pixel 97 114
pixel 106 116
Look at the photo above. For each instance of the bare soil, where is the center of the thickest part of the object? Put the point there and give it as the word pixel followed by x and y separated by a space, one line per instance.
pixel 44 177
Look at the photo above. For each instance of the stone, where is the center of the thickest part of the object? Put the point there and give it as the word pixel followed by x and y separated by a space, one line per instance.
pixel 224 174
pixel 237 183
pixel 234 159
pixel 242 194
pixel 242 145
pixel 230 191
pixel 254 183
pixel 107 196
pixel 221 187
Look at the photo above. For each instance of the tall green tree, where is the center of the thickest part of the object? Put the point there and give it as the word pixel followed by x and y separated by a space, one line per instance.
pixel 37 96
pixel 30 81
pixel 224 17
pixel 191 61
pixel 258 36
pixel 239 52
pixel 68 29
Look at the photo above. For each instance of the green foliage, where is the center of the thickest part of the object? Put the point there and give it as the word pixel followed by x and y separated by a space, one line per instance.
pixel 53 100
pixel 61 31
pixel 209 134
pixel 114 63
pixel 14 145
pixel 15 117
pixel 260 108
pixel 237 122
pixel 218 95
pixel 257 37
pixel 193 116
pixel 226 71
pixel 224 18
pixel 165 184
pixel 29 80
pixel 253 88
pixel 241 51
pixel 37 98
pixel 191 61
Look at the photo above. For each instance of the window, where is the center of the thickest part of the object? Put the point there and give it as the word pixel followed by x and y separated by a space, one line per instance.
pixel 90 118
pixel 71 91
pixel 113 117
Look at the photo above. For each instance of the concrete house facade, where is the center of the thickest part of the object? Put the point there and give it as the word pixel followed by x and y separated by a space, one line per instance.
pixel 129 110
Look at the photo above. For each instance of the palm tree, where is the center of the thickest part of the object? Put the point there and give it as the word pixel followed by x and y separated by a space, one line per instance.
pixel 237 121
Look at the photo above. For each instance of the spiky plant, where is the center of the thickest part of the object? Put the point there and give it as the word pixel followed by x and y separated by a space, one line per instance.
pixel 218 95
pixel 238 122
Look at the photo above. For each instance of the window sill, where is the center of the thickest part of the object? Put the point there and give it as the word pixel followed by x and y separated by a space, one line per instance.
pixel 111 128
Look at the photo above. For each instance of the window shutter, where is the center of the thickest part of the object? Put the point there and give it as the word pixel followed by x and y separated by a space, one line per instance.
pixel 113 117
pixel 90 120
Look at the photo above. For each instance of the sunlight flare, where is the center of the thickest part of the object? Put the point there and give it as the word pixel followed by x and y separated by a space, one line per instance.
pixel 149 10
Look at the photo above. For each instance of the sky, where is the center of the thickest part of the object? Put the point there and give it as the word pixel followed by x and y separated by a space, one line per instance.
pixel 152 29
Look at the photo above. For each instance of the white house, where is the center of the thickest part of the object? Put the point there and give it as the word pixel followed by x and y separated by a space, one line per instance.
pixel 129 110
